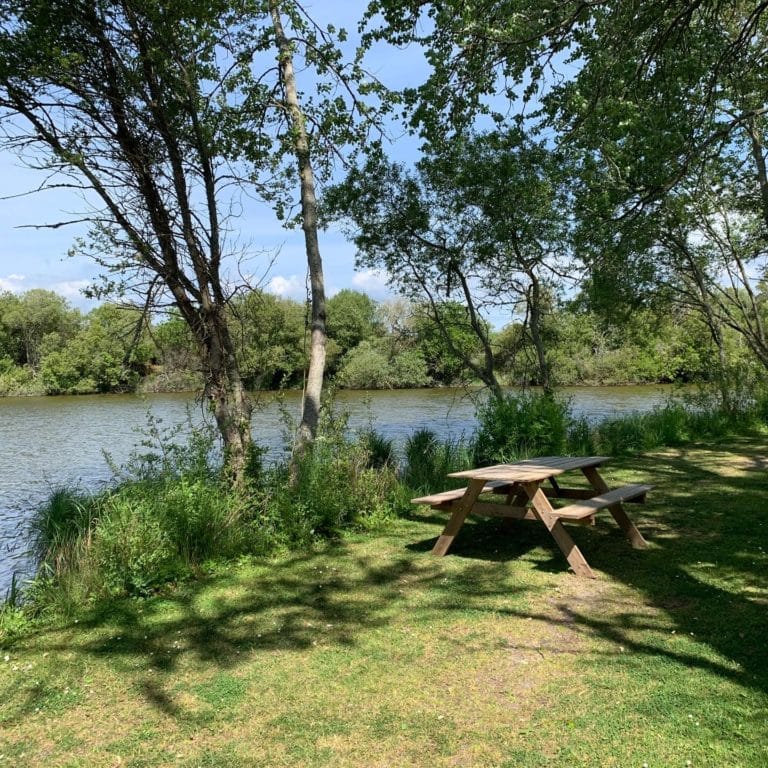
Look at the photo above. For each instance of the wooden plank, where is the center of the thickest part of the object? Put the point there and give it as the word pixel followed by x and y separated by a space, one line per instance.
pixel 605 500
pixel 460 512
pixel 439 499
pixel 531 470
pixel 617 511
pixel 543 510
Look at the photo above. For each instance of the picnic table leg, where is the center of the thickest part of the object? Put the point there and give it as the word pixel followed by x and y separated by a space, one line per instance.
pixel 544 511
pixel 460 512
pixel 617 510
pixel 516 497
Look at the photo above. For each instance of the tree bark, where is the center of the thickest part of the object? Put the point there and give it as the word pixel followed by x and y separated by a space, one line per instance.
pixel 310 415
pixel 535 324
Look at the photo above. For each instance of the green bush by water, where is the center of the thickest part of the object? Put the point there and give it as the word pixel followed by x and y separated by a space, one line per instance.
pixel 428 460
pixel 514 426
pixel 170 513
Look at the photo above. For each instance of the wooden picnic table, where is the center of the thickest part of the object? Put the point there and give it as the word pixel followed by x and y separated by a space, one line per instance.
pixel 525 498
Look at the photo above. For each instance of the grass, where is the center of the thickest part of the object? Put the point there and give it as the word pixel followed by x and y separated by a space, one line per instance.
pixel 369 652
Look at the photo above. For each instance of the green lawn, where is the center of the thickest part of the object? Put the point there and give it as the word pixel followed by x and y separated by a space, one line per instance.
pixel 370 652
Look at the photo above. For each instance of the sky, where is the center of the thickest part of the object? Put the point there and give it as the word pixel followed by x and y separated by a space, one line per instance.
pixel 35 257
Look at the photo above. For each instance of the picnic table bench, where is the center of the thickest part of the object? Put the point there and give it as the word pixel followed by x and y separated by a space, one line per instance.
pixel 525 498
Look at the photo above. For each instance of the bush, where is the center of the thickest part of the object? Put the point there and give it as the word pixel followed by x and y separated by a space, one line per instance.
pixel 132 551
pixel 367 366
pixel 428 461
pixel 514 426
pixel 332 486
pixel 380 449
pixel 59 528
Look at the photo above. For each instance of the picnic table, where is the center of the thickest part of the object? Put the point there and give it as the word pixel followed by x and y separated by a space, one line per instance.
pixel 526 498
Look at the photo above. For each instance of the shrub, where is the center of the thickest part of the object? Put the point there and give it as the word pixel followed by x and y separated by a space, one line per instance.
pixel 514 426
pixel 332 487
pixel 381 450
pixel 365 367
pixel 581 440
pixel 428 461
pixel 60 527
pixel 132 551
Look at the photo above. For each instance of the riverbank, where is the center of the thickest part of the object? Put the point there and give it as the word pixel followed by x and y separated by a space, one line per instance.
pixel 367 651
pixel 42 435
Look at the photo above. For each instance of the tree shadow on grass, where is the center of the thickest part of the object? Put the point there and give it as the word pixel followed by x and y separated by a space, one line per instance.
pixel 330 596
pixel 706 568
pixel 708 563
pixel 704 571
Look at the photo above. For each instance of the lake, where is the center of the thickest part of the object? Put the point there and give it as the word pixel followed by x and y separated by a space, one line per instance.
pixel 47 442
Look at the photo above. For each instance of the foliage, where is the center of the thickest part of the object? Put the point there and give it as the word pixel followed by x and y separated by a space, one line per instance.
pixel 351 319
pixel 380 450
pixel 515 426
pixel 271 338
pixel 372 366
pixel 169 514
pixel 15 380
pixel 27 320
pixel 114 350
pixel 428 461
pixel 337 484
pixel 60 527
pixel 446 343
pixel 108 354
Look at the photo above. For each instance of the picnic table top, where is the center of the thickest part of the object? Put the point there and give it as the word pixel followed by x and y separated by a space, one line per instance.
pixel 531 470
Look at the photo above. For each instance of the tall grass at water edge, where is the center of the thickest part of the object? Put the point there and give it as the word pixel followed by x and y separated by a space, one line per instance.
pixel 170 514
pixel 516 426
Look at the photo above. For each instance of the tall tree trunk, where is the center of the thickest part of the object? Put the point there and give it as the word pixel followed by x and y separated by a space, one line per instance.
pixel 715 329
pixel 758 156
pixel 224 390
pixel 535 324
pixel 314 385
pixel 231 406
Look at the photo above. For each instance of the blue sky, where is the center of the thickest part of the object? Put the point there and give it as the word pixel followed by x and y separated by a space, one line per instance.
pixel 37 258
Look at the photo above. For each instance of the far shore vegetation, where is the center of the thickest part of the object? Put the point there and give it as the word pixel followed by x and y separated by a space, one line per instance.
pixel 47 347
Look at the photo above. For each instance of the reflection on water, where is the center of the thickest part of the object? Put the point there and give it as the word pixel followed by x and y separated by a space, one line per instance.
pixel 47 442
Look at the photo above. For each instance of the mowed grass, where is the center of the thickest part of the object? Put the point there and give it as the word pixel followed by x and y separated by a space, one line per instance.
pixel 370 652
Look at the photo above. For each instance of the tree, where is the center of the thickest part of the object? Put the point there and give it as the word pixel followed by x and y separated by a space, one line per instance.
pixel 33 316
pixel 663 105
pixel 445 360
pixel 160 115
pixel 481 218
pixel 351 318
pixel 313 387
pixel 104 356
pixel 271 337
pixel 120 100
pixel 313 132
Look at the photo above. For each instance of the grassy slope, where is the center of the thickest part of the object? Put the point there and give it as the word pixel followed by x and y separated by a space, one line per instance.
pixel 370 652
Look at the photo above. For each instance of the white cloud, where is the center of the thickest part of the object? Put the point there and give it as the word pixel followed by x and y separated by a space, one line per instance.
pixel 373 281
pixel 292 286
pixel 71 289
pixel 12 283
